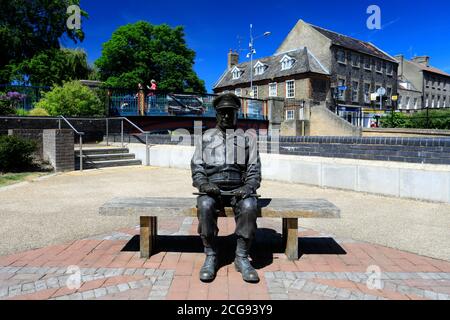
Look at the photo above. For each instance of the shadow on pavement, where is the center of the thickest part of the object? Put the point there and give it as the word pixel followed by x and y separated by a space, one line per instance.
pixel 267 243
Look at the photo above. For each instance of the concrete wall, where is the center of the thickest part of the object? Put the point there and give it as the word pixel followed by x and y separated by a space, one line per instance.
pixel 323 122
pixel 58 149
pixel 405 132
pixel 403 180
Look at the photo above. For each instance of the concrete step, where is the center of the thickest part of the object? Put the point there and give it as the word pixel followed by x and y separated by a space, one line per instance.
pixel 91 151
pixel 106 157
pixel 109 163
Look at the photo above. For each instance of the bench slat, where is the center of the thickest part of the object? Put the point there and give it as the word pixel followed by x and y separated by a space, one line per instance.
pixel 182 207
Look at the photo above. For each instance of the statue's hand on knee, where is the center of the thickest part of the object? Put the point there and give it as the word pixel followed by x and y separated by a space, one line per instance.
pixel 210 188
pixel 244 192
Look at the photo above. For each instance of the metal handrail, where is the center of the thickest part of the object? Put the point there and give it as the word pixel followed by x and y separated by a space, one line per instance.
pixel 80 135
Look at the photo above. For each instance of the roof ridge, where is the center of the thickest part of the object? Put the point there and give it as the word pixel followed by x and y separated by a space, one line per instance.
pixel 341 34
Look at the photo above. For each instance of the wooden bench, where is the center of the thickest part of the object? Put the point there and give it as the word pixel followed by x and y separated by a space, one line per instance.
pixel 149 209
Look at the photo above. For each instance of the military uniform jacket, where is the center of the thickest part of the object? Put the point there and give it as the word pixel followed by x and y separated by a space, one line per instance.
pixel 227 160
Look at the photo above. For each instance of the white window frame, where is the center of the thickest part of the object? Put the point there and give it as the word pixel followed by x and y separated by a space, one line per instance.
pixel 255 92
pixel 288 96
pixel 259 68
pixel 355 91
pixel 427 101
pixel 381 66
pixel 370 63
pixel 358 60
pixel 287 62
pixel 288 113
pixel 344 55
pixel 270 89
pixel 341 96
pixel 392 69
pixel 408 103
pixel 416 103
pixel 367 94
pixel 236 73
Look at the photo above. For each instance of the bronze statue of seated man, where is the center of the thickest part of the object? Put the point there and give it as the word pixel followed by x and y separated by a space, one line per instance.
pixel 226 169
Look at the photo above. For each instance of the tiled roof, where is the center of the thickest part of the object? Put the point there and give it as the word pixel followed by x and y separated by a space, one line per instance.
pixel 353 44
pixel 304 62
pixel 429 68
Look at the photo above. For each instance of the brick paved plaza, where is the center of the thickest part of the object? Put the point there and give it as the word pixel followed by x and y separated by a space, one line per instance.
pixel 331 266
pixel 111 268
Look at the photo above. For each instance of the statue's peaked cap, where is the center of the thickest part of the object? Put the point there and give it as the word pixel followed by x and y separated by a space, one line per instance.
pixel 227 100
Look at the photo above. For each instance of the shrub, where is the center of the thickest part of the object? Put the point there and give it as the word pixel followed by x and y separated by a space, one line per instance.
pixel 21 112
pixel 72 99
pixel 38 112
pixel 15 153
pixel 9 102
pixel 395 120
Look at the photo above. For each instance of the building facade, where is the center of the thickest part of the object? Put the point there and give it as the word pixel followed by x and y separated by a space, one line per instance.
pixel 357 70
pixel 432 83
pixel 295 75
pixel 330 68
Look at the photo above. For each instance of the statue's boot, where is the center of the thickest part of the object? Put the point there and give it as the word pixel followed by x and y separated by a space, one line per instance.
pixel 209 268
pixel 242 263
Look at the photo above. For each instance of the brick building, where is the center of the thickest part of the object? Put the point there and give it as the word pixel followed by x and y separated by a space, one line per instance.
pixel 296 74
pixel 322 61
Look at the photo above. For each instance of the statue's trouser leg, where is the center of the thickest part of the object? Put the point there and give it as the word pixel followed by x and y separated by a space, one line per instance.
pixel 245 215
pixel 207 226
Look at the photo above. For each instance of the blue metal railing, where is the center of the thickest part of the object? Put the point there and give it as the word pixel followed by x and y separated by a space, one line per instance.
pixel 168 104
pixel 30 94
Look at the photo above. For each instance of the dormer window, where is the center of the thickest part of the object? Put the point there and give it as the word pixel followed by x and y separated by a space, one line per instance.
pixel 259 68
pixel 287 63
pixel 236 73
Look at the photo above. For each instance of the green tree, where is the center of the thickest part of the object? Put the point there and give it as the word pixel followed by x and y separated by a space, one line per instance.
pixel 53 67
pixel 72 99
pixel 28 27
pixel 395 120
pixel 139 52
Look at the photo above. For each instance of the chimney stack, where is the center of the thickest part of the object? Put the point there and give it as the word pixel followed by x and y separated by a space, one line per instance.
pixel 424 60
pixel 400 59
pixel 233 59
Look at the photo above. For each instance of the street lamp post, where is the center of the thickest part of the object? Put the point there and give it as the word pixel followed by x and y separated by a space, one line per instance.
pixel 252 52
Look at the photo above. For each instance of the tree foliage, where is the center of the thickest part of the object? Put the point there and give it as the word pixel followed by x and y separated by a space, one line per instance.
pixel 72 99
pixel 433 119
pixel 53 67
pixel 139 52
pixel 28 27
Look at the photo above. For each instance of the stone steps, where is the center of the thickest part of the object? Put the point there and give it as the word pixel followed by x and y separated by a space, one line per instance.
pixel 95 158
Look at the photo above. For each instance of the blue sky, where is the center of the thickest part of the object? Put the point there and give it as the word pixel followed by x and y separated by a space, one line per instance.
pixel 414 27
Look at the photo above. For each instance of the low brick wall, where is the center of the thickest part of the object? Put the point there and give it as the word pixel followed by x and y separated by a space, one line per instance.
pixel 410 150
pixel 407 150
pixel 58 149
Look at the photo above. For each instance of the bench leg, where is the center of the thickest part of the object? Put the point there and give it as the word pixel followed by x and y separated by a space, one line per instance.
pixel 148 235
pixel 290 238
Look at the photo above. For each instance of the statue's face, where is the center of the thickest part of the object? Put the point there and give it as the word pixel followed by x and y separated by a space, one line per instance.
pixel 226 118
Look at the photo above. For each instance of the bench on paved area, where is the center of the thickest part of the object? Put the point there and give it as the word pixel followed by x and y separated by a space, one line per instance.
pixel 149 209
